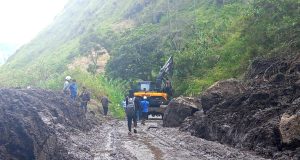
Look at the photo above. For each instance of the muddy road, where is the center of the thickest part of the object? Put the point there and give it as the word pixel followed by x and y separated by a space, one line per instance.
pixel 110 140
pixel 41 124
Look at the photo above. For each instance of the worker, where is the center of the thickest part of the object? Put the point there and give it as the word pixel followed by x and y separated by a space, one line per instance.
pixel 144 105
pixel 105 101
pixel 168 89
pixel 138 110
pixel 73 89
pixel 84 98
pixel 130 114
pixel 66 90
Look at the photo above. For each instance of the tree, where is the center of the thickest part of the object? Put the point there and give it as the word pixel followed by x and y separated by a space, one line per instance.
pixel 138 55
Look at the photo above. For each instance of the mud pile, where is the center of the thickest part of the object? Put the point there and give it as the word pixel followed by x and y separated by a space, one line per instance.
pixel 34 123
pixel 262 115
pixel 179 109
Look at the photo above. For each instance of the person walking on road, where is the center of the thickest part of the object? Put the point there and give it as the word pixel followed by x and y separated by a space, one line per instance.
pixel 144 105
pixel 105 101
pixel 138 111
pixel 130 113
pixel 73 89
pixel 84 98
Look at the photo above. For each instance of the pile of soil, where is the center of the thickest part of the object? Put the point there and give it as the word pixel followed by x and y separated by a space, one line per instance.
pixel 263 115
pixel 34 123
pixel 179 109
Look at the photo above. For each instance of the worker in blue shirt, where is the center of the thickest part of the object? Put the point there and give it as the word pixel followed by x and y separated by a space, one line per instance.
pixel 73 89
pixel 144 105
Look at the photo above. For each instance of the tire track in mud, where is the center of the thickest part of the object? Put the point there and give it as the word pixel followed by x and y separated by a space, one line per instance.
pixel 169 143
pixel 168 147
pixel 158 154
pixel 138 146
pixel 110 141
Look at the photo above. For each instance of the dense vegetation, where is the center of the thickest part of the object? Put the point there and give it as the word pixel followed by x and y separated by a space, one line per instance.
pixel 210 40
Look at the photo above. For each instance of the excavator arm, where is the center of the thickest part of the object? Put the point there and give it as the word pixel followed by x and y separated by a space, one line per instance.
pixel 167 69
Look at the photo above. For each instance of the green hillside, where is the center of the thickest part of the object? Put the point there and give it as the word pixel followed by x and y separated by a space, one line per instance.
pixel 209 39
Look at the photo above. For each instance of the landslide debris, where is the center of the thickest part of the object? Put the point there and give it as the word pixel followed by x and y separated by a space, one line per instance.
pixel 179 109
pixel 34 123
pixel 262 114
pixel 39 124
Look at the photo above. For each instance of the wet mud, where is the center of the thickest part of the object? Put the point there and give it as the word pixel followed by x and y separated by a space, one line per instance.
pixel 111 141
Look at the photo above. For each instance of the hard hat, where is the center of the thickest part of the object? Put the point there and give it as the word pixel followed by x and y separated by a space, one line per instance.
pixel 68 78
pixel 145 97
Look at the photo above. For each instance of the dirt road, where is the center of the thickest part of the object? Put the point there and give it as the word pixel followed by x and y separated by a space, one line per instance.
pixel 111 141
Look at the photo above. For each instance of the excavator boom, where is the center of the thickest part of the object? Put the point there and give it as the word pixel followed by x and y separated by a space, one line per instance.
pixel 165 70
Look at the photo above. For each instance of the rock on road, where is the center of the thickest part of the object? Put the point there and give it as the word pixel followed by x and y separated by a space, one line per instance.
pixel 152 142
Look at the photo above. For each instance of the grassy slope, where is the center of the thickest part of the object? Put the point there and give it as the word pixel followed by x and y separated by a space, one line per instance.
pixel 210 41
pixel 196 35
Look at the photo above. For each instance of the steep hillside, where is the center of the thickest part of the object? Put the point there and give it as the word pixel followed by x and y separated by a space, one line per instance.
pixel 210 40
pixel 57 52
pixel 54 48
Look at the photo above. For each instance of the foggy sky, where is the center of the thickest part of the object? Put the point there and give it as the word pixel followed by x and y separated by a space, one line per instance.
pixel 22 20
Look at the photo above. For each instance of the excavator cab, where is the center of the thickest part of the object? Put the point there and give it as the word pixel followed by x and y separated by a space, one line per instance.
pixel 157 100
pixel 145 86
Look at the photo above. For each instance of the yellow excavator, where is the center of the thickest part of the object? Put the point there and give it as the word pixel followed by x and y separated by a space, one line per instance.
pixel 158 93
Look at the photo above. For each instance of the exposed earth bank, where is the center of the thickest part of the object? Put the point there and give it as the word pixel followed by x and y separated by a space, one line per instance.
pixel 34 123
pixel 261 113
